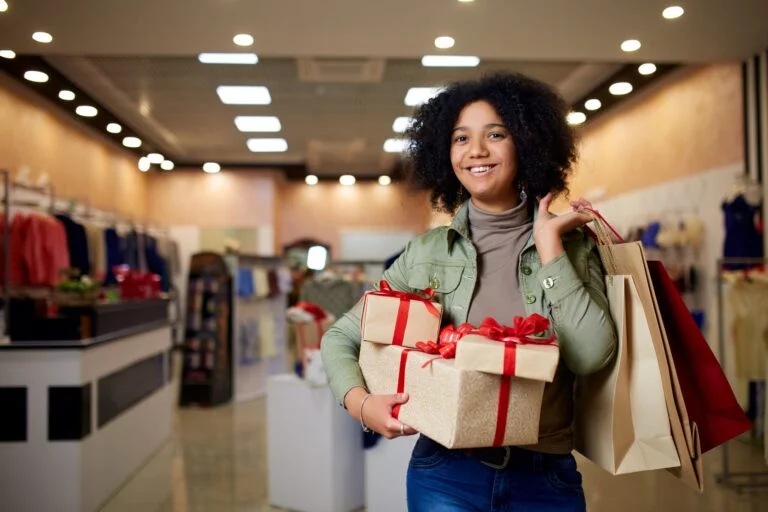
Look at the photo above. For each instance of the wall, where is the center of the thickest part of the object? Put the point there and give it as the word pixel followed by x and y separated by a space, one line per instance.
pixel 80 164
pixel 690 123
pixel 327 210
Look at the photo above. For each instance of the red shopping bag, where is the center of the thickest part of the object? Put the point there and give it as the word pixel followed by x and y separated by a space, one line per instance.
pixel 708 396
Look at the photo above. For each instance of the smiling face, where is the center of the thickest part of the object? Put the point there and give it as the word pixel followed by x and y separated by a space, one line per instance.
pixel 483 157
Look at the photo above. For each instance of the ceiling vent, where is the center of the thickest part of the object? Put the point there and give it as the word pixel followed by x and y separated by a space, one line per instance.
pixel 349 71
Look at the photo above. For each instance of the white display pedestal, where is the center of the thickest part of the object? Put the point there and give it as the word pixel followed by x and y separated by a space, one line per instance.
pixel 314 449
pixel 386 465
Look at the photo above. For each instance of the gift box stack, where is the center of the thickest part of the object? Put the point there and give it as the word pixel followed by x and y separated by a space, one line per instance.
pixel 469 387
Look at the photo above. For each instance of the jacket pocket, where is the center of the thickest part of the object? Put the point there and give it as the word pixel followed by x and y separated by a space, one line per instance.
pixel 444 280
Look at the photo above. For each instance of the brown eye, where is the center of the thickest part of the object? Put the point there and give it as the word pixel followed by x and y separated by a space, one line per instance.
pixel 460 138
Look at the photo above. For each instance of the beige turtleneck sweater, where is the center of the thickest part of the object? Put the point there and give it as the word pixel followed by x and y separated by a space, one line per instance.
pixel 499 238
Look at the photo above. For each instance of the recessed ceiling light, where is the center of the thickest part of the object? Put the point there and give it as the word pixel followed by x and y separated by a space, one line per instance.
pixel 347 180
pixel 576 118
pixel 647 69
pixel 311 179
pixel 267 145
pixel 228 58
pixel 167 165
pixel 144 164
pixel 592 104
pixel 243 40
pixel 36 76
pixel 211 167
pixel 450 61
pixel 620 88
pixel 86 111
pixel 444 42
pixel 42 37
pixel 631 45
pixel 66 95
pixel 244 95
pixel 8 54
pixel 401 124
pixel 114 128
pixel 3 6
pixel 155 158
pixel 672 12
pixel 419 95
pixel 258 123
pixel 384 180
pixel 394 145
pixel 132 142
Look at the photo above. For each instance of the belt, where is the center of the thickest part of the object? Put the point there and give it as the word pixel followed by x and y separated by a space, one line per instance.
pixel 513 457
pixel 496 458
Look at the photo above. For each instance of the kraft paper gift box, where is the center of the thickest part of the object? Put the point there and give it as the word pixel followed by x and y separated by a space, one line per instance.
pixel 513 351
pixel 457 408
pixel 398 318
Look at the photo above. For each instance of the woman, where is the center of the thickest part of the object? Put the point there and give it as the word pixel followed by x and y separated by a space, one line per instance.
pixel 494 152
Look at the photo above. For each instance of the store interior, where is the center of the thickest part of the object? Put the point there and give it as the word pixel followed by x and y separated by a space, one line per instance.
pixel 181 178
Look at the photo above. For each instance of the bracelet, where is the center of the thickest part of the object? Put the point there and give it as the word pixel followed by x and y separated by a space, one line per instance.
pixel 362 423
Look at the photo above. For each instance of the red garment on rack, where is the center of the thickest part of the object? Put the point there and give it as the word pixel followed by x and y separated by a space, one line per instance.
pixel 38 250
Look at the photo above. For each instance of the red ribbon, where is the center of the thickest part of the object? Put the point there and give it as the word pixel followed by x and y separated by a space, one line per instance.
pixel 320 315
pixel 401 379
pixel 424 296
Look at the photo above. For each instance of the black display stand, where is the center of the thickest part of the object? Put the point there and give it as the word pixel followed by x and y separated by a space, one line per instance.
pixel 206 377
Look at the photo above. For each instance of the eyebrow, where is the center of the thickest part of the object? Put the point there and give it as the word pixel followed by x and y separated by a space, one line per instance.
pixel 492 125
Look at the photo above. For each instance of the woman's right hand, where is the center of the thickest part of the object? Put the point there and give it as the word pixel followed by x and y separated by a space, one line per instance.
pixel 377 412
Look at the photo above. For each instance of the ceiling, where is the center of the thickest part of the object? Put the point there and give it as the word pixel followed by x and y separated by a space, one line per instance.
pixel 138 60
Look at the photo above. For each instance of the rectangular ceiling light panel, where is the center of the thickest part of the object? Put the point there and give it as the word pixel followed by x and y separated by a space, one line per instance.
pixel 244 95
pixel 258 124
pixel 450 61
pixel 228 58
pixel 419 95
pixel 267 145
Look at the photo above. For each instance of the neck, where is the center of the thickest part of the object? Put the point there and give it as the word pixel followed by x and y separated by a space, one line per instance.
pixel 496 206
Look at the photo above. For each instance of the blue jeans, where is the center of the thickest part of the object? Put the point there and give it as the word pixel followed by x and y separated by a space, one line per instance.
pixel 441 480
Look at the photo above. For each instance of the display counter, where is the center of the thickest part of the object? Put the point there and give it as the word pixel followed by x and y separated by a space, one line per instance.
pixel 80 416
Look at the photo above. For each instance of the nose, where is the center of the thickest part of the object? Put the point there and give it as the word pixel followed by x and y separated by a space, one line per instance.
pixel 477 148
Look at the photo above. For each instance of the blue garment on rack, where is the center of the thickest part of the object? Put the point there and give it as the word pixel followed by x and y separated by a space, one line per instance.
pixel 649 235
pixel 114 254
pixel 77 245
pixel 155 263
pixel 742 239
pixel 130 247
pixel 245 286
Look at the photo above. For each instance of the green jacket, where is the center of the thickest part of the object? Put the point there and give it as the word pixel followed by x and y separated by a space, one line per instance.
pixel 570 291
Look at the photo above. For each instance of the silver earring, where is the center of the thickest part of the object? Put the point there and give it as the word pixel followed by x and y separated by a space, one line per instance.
pixel 523 195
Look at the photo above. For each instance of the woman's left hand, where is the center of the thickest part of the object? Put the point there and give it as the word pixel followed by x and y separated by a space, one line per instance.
pixel 548 228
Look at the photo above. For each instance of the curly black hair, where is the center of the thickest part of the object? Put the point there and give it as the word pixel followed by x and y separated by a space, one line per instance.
pixel 535 116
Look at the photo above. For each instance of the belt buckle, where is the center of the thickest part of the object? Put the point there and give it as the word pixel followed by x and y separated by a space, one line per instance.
pixel 503 465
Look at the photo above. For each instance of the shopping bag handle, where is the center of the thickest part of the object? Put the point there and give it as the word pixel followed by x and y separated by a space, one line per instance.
pixel 604 233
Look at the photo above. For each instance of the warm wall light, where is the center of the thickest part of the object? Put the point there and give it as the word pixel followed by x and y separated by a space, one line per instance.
pixel 631 45
pixel 647 69
pixel 444 42
pixel 8 54
pixel 211 167
pixel 144 164
pixel 167 165
pixel 42 37
pixel 620 88
pixel 311 179
pixel 66 95
pixel 384 180
pixel 347 180
pixel 86 111
pixel 575 118
pixel 114 128
pixel 593 104
pixel 243 40
pixel 673 12
pixel 155 158
pixel 132 142
pixel 36 76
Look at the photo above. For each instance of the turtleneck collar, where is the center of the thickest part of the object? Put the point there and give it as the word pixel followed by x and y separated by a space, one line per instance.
pixel 481 220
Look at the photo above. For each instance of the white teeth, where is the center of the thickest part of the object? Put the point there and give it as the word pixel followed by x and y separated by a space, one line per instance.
pixel 482 169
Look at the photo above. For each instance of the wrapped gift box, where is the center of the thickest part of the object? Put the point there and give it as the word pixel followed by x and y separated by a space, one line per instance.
pixel 395 318
pixel 306 325
pixel 520 350
pixel 457 408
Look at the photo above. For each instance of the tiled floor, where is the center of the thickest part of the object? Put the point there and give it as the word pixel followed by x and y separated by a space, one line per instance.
pixel 216 462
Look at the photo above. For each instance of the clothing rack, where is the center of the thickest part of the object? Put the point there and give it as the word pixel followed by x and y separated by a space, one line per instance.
pixel 738 481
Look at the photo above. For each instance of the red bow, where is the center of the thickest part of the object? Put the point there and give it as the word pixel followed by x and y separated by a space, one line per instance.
pixel 426 295
pixel 446 350
pixel 521 332
pixel 313 309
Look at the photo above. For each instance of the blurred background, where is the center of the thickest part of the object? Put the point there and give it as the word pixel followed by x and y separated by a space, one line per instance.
pixel 214 163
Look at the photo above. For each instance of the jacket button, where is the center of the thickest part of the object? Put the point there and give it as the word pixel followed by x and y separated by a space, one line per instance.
pixel 548 283
pixel 434 283
pixel 526 271
pixel 530 299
